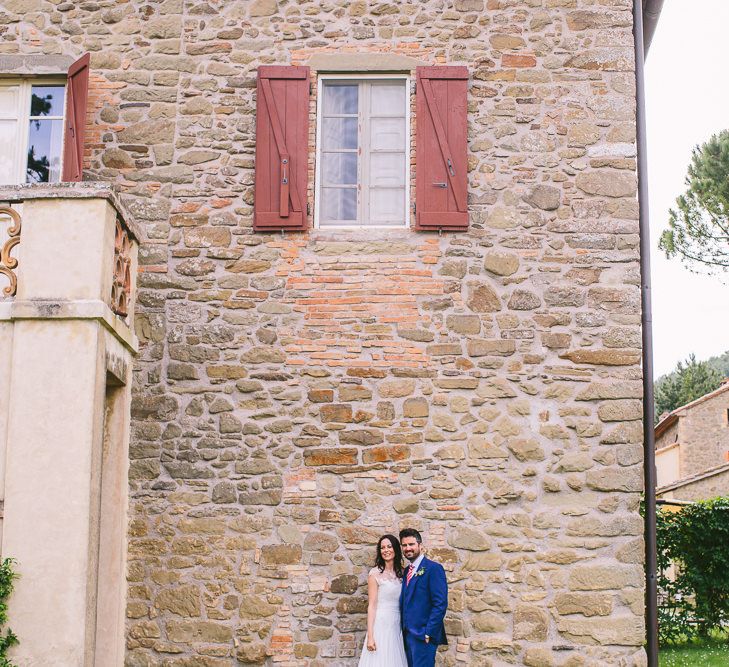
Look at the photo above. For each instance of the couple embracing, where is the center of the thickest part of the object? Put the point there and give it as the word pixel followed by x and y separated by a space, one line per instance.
pixel 406 605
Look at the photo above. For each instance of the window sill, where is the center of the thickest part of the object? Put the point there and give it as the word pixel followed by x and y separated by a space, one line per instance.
pixel 361 228
pixel 361 233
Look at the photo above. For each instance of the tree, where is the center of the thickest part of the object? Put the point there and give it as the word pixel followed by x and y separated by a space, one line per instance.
pixel 40 105
pixel 38 168
pixel 689 381
pixel 698 230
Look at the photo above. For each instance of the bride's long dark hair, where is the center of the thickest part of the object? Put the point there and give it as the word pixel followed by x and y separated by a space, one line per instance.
pixel 397 563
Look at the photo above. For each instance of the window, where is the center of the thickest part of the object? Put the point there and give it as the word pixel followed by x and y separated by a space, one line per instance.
pixel 363 152
pixel 42 126
pixel 31 127
pixel 362 157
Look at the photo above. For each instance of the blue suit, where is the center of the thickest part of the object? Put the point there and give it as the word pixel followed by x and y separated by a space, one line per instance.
pixel 423 605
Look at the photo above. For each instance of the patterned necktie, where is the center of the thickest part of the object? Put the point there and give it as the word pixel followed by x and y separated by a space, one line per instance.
pixel 411 571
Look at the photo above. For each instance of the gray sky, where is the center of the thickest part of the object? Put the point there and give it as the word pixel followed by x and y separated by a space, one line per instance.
pixel 687 100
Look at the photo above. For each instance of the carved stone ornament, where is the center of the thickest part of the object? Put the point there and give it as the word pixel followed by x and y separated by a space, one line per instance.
pixel 121 287
pixel 8 263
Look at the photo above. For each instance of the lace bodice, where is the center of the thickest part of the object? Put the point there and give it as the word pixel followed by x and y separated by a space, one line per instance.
pixel 388 591
pixel 384 576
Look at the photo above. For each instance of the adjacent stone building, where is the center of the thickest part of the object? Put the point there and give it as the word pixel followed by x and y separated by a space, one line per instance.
pixel 692 449
pixel 469 366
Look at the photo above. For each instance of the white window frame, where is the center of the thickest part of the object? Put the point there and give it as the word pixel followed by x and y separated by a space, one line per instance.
pixel 361 77
pixel 26 87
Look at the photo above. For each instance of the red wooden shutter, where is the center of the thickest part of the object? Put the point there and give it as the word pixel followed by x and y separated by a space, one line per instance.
pixel 282 142
pixel 441 153
pixel 77 93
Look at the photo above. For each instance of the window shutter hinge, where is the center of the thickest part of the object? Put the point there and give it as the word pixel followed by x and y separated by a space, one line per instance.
pixel 308 208
pixel 415 207
pixel 311 88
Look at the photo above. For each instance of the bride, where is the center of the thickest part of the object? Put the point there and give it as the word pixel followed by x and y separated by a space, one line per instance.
pixel 383 644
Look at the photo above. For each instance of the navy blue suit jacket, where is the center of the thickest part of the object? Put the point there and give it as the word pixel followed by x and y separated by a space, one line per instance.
pixel 423 602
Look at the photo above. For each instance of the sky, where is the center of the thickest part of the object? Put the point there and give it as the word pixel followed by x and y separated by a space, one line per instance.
pixel 687 100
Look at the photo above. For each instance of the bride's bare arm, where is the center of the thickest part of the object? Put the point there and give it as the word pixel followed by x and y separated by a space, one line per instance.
pixel 372 587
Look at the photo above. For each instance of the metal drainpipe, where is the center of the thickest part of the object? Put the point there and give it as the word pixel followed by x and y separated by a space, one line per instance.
pixel 649 466
pixel 651 13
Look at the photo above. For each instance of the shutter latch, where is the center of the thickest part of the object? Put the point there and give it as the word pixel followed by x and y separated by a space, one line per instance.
pixel 441 185
pixel 451 171
pixel 283 207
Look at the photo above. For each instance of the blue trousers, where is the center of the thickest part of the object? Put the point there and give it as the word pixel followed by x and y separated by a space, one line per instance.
pixel 418 653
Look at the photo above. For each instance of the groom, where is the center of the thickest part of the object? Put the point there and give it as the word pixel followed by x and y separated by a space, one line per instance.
pixel 423 602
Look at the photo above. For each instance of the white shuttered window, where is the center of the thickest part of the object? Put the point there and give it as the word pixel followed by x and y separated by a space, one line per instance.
pixel 362 152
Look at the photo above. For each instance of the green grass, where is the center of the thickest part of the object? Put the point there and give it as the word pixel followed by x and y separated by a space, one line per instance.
pixel 702 653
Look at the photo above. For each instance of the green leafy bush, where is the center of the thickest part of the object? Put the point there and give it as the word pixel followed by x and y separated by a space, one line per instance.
pixel 694 593
pixel 7 637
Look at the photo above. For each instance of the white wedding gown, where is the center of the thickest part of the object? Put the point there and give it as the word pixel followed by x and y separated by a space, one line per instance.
pixel 388 633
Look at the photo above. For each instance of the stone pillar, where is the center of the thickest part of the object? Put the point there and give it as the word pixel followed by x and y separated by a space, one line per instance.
pixel 66 350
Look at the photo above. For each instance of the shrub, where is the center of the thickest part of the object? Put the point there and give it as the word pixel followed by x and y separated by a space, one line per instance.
pixel 695 600
pixel 7 637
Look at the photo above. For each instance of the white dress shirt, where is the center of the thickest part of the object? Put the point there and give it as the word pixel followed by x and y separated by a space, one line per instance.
pixel 416 563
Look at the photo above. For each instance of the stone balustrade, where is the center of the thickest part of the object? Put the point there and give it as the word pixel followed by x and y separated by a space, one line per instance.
pixel 68 261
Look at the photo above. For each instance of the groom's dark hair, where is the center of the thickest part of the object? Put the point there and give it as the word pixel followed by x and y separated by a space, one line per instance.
pixel 411 532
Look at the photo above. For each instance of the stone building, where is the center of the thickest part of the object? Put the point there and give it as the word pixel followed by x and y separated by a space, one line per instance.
pixel 388 276
pixel 692 449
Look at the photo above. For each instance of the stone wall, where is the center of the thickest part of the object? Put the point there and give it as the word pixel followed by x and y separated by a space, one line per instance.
pixel 668 437
pixel 297 396
pixel 701 487
pixel 703 432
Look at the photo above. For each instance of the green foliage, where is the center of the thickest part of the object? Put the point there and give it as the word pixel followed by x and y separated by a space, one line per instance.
pixel 7 637
pixel 40 105
pixel 720 363
pixel 698 230
pixel 690 380
pixel 695 600
pixel 38 169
